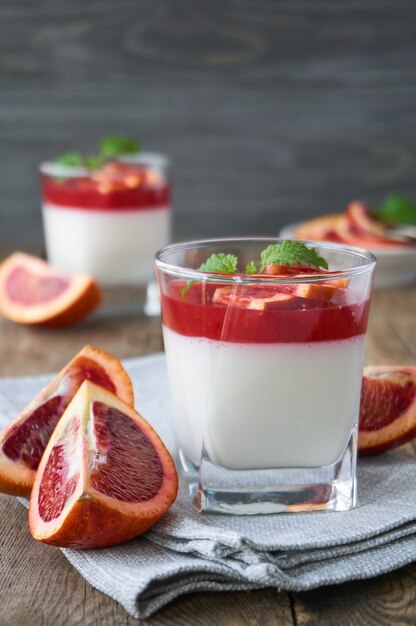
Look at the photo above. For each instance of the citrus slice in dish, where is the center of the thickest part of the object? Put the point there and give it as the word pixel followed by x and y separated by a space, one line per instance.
pixel 32 292
pixel 361 222
pixel 23 442
pixel 105 476
pixel 388 408
pixel 322 228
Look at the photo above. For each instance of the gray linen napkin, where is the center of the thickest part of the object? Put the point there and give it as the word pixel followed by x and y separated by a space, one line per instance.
pixel 188 552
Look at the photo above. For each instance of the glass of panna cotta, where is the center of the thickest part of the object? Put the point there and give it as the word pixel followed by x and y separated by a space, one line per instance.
pixel 108 221
pixel 265 358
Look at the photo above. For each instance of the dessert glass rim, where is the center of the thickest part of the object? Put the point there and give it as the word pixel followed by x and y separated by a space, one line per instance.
pixel 51 168
pixel 368 261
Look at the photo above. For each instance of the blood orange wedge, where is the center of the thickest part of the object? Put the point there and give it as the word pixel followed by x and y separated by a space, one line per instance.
pixel 388 408
pixel 22 443
pixel 104 478
pixel 32 292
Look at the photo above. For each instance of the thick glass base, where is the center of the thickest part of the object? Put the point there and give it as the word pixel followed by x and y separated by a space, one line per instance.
pixel 290 490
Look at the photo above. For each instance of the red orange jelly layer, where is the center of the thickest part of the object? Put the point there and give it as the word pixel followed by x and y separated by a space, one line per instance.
pixel 299 321
pixel 114 187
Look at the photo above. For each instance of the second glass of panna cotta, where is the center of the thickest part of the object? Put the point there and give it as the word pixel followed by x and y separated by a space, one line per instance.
pixel 265 363
pixel 107 222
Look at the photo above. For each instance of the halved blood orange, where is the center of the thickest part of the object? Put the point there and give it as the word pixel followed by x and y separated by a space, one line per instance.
pixel 388 408
pixel 254 297
pixel 23 441
pixel 104 478
pixel 32 292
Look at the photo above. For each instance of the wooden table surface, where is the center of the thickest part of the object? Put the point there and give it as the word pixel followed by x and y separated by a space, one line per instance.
pixel 39 586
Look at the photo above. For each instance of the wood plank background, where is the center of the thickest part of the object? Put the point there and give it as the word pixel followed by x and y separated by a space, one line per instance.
pixel 271 111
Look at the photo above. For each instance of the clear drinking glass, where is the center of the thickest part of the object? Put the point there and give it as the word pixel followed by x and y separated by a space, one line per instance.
pixel 265 376
pixel 108 221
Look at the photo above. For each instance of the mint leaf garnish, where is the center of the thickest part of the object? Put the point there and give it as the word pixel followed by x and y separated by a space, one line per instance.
pixel 110 147
pixel 220 264
pixel 397 210
pixel 251 268
pixel 117 145
pixel 217 263
pixel 289 252
pixel 70 159
pixel 93 162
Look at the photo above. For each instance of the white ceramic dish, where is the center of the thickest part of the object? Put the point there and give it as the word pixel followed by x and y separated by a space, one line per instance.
pixel 396 267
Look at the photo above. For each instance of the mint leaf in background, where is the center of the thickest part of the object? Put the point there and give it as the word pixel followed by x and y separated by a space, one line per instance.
pixel 251 268
pixel 93 162
pixel 110 147
pixel 70 159
pixel 289 252
pixel 220 264
pixel 397 210
pixel 117 145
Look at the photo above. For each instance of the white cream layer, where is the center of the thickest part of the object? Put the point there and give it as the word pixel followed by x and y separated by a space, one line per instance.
pixel 264 405
pixel 116 247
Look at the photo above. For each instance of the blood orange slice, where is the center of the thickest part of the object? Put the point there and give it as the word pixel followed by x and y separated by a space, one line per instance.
pixel 32 292
pixel 316 291
pixel 322 291
pixel 104 478
pixel 286 271
pixel 22 443
pixel 388 408
pixel 253 297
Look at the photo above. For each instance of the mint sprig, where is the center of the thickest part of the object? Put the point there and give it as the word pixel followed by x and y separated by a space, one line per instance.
pixel 289 252
pixel 70 159
pixel 397 210
pixel 94 161
pixel 220 264
pixel 217 264
pixel 251 268
pixel 110 147
pixel 117 145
